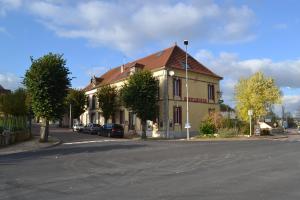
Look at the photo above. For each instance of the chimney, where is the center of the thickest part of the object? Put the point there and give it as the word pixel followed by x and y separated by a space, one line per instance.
pixel 122 68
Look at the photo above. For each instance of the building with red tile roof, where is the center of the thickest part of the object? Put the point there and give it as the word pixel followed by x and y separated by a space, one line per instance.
pixel 203 87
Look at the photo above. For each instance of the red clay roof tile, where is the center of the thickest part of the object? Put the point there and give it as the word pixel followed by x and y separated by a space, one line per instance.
pixel 172 57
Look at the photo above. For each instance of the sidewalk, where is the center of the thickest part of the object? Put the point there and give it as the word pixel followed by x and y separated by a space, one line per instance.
pixel 30 145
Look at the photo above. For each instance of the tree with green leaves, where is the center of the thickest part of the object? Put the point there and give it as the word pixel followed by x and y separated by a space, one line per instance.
pixel 107 99
pixel 15 103
pixel 77 100
pixel 47 83
pixel 139 94
pixel 257 93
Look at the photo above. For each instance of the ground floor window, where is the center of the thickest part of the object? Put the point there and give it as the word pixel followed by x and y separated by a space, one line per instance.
pixel 122 116
pixel 177 112
pixel 131 118
pixel 113 118
pixel 93 118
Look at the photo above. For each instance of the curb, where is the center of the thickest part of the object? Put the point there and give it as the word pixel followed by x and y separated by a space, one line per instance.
pixel 59 142
pixel 32 149
pixel 219 139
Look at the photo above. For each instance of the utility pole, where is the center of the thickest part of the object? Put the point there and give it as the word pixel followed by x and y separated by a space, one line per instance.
pixel 70 121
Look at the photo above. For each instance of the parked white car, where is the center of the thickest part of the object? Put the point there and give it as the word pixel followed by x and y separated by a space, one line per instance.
pixel 78 127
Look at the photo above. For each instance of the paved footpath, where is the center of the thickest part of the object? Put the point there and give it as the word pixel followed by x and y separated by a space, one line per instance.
pixel 57 136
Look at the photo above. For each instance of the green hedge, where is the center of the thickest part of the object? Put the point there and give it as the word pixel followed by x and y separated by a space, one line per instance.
pixel 13 123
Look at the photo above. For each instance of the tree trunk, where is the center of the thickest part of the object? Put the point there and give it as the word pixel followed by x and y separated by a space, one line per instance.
pixel 29 125
pixel 44 131
pixel 144 127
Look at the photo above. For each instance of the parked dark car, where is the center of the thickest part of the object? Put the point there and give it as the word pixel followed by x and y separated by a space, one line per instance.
pixel 92 128
pixel 112 130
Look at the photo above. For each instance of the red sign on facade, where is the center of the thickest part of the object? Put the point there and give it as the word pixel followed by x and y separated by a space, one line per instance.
pixel 196 100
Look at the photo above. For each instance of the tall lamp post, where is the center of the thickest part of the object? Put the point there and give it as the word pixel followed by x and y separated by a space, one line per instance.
pixel 250 113
pixel 187 125
pixel 171 74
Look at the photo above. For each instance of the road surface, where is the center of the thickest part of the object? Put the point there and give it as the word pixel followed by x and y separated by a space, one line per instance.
pixel 155 170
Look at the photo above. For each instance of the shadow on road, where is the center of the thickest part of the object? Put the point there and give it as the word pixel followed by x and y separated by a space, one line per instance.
pixel 61 151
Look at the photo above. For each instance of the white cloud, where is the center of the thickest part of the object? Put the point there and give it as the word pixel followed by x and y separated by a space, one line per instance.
pixel 7 5
pixel 128 25
pixel 10 81
pixel 232 68
pixel 286 72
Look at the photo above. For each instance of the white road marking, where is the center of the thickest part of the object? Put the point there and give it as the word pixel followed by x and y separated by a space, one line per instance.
pixel 93 141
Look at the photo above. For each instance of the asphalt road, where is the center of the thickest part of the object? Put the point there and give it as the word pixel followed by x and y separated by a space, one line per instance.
pixel 155 170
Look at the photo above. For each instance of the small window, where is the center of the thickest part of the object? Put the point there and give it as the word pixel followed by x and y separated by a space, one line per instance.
pixel 177 115
pixel 211 92
pixel 177 87
pixel 183 65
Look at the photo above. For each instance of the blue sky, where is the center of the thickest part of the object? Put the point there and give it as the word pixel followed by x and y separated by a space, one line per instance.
pixel 233 38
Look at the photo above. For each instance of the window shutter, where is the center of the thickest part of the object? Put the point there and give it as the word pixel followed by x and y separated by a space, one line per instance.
pixel 208 92
pixel 173 87
pixel 179 87
pixel 213 92
pixel 174 114
pixel 180 115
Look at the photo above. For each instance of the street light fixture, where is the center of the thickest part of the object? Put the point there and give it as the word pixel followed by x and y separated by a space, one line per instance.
pixel 187 125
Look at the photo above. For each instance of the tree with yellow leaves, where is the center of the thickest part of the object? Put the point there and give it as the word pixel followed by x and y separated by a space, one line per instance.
pixel 257 93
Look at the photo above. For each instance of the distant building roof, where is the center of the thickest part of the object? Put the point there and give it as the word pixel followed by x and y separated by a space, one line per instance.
pixel 172 57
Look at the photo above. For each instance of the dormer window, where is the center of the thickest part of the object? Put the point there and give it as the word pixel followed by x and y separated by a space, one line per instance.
pixel 135 67
pixel 183 65
pixel 132 70
pixel 94 81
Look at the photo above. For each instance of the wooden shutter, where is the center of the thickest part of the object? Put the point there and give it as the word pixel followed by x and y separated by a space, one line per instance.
pixel 179 87
pixel 180 115
pixel 213 92
pixel 173 87
pixel 174 114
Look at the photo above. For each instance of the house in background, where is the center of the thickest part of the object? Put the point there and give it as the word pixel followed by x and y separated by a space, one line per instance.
pixel 227 112
pixel 204 93
pixel 4 91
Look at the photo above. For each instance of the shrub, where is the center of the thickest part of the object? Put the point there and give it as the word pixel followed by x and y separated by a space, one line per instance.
pixel 207 128
pixel 13 123
pixel 228 132
pixel 244 128
pixel 228 123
